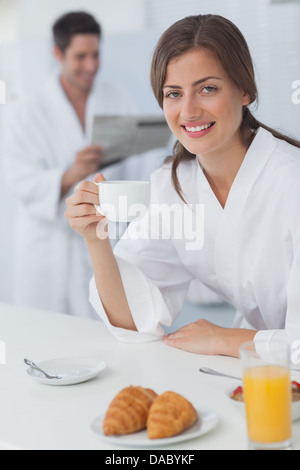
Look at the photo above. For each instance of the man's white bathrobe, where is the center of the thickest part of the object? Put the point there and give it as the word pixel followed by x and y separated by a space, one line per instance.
pixel 52 268
pixel 250 253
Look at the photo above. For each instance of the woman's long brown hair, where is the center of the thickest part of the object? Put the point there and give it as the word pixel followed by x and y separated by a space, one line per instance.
pixel 224 39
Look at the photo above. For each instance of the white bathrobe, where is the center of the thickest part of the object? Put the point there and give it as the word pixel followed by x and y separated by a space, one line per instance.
pixel 249 253
pixel 52 268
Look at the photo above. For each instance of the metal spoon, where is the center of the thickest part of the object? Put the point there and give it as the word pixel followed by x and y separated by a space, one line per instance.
pixel 34 366
pixel 206 370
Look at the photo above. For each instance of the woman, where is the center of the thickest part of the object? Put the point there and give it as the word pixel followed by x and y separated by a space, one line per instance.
pixel 245 176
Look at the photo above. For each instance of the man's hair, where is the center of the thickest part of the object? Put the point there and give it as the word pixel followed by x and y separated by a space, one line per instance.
pixel 71 24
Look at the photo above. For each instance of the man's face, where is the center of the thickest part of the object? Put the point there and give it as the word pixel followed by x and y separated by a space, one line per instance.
pixel 80 61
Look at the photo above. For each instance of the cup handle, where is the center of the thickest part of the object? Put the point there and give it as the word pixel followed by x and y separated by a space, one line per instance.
pixel 99 209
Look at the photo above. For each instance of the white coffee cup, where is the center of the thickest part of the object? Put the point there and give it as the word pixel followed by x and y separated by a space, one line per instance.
pixel 123 201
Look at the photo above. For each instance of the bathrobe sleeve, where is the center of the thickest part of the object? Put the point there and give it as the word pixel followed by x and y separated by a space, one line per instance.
pixel 154 278
pixel 293 311
pixel 291 328
pixel 31 173
pixel 291 332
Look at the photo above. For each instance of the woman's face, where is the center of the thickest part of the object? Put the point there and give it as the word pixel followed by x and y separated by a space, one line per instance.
pixel 202 105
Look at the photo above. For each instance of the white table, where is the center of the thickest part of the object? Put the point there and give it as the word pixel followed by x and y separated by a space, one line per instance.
pixel 34 416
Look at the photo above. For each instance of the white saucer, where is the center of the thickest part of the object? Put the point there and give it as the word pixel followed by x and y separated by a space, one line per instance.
pixel 207 420
pixel 73 370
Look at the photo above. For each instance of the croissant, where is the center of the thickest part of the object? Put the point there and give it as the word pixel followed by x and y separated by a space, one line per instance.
pixel 128 412
pixel 169 415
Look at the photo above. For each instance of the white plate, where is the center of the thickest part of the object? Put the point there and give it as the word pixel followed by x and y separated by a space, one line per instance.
pixel 73 370
pixel 240 405
pixel 207 420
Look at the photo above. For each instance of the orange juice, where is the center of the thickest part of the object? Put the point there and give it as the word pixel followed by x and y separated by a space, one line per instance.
pixel 268 403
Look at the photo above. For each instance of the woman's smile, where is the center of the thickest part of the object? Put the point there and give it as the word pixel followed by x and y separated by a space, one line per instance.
pixel 196 130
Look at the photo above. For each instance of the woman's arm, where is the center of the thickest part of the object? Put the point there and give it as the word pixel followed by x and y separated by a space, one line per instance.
pixel 84 218
pixel 201 337
pixel 109 284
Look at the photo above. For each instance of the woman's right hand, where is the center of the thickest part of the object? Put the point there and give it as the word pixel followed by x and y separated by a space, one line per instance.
pixel 81 212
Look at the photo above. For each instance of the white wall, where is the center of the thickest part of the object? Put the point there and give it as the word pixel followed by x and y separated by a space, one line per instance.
pixel 8 15
pixel 117 16
pixel 131 29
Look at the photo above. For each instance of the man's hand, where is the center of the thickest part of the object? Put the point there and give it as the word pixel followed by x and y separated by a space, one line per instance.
pixel 87 162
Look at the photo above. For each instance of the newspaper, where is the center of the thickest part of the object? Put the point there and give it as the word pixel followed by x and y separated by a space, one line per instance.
pixel 122 136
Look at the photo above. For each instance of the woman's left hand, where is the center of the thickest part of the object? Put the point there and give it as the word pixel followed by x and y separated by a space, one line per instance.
pixel 200 337
pixel 204 337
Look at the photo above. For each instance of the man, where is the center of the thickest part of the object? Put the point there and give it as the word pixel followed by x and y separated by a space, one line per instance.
pixel 48 151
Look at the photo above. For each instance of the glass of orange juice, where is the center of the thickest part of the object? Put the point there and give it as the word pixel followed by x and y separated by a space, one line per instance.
pixel 268 395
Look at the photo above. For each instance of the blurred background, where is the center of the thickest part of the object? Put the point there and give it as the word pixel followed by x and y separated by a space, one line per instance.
pixel 131 29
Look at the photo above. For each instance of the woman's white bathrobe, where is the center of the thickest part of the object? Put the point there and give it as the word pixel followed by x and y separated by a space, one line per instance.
pixel 52 268
pixel 250 253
